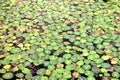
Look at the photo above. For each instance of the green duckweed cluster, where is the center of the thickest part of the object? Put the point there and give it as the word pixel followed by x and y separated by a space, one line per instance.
pixel 59 40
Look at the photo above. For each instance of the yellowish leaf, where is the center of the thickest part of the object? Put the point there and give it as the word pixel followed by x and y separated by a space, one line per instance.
pixel 7 67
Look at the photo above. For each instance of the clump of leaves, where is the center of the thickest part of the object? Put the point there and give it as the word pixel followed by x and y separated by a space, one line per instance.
pixel 83 41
